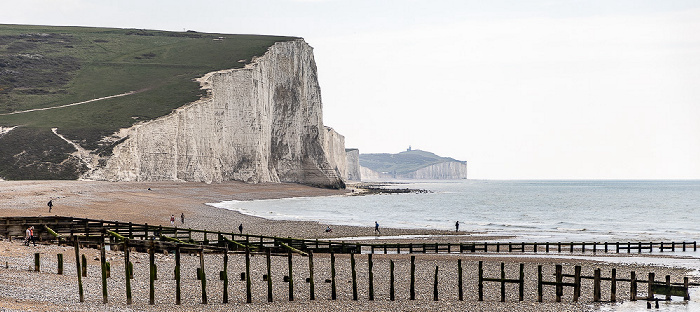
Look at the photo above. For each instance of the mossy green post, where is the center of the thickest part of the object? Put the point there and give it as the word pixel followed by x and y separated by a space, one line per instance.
pixel 76 246
pixel 59 260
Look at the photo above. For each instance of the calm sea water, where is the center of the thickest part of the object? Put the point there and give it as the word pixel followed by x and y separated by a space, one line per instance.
pixel 531 210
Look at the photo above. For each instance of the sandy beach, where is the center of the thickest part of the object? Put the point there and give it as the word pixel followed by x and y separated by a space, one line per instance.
pixel 21 289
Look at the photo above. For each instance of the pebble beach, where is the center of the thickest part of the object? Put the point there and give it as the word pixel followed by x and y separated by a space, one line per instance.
pixel 23 289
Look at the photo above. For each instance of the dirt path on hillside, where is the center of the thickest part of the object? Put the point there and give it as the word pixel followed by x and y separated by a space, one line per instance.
pixel 73 104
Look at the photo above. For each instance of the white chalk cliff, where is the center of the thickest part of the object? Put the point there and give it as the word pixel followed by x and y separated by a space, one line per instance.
pixel 262 123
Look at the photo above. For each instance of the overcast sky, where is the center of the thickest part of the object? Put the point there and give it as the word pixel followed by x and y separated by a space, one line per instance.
pixel 543 89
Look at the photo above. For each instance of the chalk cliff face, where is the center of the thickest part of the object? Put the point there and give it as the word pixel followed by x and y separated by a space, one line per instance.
pixel 442 171
pixel 353 160
pixel 262 123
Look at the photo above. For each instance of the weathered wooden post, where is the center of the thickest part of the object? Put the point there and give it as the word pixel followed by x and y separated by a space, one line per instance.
pixel 521 284
pixel 225 272
pixel 559 287
pixel 248 286
pixel 77 263
pixel 539 283
pixel 103 265
pixel 391 280
pixel 37 262
pixel 460 290
pixel 650 286
pixel 371 277
pixel 127 273
pixel 503 282
pixel 203 275
pixel 686 296
pixel 435 285
pixel 177 276
pixel 668 287
pixel 291 276
pixel 152 274
pixel 312 296
pixel 413 278
pixel 354 276
pixel 59 260
pixel 481 281
pixel 577 282
pixel 269 274
pixel 613 285
pixel 84 265
pixel 633 286
pixel 596 285
pixel 333 289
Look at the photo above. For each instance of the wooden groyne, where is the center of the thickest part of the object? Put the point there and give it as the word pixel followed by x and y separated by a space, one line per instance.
pixel 173 242
pixel 90 232
pixel 488 274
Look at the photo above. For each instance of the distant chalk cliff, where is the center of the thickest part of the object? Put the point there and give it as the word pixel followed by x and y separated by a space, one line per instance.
pixel 411 164
pixel 263 123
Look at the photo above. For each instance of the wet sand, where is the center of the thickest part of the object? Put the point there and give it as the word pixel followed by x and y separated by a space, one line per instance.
pixel 134 202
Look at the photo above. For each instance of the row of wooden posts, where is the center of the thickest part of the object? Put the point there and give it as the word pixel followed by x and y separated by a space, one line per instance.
pixel 654 287
pixel 92 230
pixel 534 247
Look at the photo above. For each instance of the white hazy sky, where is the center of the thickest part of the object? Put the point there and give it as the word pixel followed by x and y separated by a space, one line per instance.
pixel 520 89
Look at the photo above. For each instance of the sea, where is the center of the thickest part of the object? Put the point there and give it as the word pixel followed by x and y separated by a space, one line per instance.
pixel 523 211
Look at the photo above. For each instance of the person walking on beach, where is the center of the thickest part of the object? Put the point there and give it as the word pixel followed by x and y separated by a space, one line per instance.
pixel 172 220
pixel 29 235
pixel 376 228
pixel 50 204
pixel 240 228
pixel 457 226
pixel 182 218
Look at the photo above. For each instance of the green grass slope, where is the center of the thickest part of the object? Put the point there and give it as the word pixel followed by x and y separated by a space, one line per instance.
pixel 401 163
pixel 44 66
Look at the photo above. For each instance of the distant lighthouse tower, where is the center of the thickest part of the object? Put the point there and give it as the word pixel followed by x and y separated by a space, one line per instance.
pixel 409 148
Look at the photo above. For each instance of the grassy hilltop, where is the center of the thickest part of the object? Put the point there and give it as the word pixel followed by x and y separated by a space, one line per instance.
pixel 43 67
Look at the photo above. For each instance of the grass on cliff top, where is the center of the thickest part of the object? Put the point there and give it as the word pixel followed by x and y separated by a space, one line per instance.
pixel 401 163
pixel 44 66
